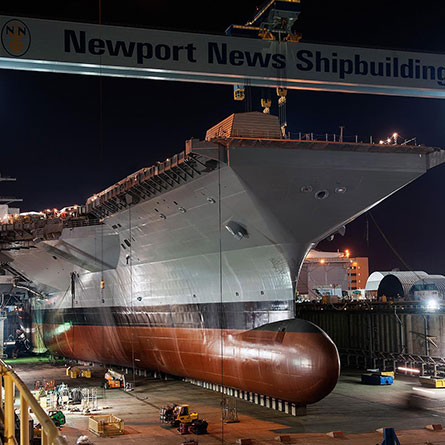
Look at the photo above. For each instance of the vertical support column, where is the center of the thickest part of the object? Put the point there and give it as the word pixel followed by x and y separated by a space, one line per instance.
pixel 426 328
pixel 1 393
pixel 2 321
pixel 24 421
pixel 44 437
pixel 9 411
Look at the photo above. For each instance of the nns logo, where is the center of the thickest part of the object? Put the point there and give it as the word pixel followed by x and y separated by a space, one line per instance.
pixel 16 38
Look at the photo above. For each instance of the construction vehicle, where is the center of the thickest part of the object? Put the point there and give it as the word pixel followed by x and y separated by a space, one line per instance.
pixel 85 373
pixel 176 414
pixel 181 417
pixel 114 379
pixel 276 20
pixel 72 372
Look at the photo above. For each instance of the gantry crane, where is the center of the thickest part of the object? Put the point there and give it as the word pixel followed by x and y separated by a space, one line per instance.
pixel 274 21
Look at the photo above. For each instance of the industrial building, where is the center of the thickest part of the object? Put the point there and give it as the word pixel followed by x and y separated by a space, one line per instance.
pixel 331 273
pixel 411 286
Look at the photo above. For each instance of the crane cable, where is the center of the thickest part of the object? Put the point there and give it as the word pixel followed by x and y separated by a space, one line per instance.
pixel 393 249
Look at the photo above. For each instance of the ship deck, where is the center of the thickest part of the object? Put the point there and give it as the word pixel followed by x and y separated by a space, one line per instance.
pixel 352 408
pixel 302 144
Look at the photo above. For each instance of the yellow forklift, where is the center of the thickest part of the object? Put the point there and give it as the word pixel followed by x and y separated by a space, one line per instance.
pixel 180 416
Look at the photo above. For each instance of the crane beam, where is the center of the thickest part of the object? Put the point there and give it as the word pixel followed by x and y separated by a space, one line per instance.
pixel 89 49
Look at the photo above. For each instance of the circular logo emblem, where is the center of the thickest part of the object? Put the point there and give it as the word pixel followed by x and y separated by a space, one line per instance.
pixel 16 38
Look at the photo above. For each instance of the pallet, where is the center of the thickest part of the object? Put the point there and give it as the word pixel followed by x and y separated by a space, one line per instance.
pixel 108 425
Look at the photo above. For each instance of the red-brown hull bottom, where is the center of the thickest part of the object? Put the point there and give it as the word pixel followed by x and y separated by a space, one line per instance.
pixel 301 367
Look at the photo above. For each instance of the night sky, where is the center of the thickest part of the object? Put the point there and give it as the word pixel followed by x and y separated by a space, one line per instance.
pixel 53 143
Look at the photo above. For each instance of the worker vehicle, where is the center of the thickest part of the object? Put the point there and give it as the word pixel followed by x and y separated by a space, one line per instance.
pixel 177 414
pixel 114 379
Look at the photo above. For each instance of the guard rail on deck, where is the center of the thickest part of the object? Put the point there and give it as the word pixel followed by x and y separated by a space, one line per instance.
pixel 356 139
pixel 9 380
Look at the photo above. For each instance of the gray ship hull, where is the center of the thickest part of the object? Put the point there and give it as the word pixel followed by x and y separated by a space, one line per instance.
pixel 185 275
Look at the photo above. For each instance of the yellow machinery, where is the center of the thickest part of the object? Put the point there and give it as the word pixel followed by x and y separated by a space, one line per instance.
pixel 183 414
pixel 85 373
pixel 239 92
pixel 74 372
pixel 177 414
pixel 266 104
pixel 431 382
pixel 274 21
pixel 114 379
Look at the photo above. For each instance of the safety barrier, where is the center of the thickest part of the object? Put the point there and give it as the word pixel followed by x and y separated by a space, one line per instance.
pixel 9 380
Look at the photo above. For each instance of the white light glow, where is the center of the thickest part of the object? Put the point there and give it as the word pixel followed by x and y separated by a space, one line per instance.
pixel 426 391
pixel 413 370
pixel 432 305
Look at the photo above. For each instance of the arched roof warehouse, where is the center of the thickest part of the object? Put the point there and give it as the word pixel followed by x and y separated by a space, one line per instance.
pixel 398 284
pixel 373 281
pixel 431 283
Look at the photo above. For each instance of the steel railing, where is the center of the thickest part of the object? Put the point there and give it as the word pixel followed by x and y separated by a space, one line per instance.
pixel 357 139
pixel 9 380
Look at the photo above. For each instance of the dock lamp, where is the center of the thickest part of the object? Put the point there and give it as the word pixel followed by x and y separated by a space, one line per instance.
pixel 432 305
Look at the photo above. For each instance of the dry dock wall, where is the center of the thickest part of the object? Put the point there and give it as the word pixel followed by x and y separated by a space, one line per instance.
pixel 367 335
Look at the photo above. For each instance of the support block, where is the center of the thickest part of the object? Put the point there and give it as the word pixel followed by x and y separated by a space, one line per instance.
pixel 336 434
pixel 244 441
pixel 283 439
pixel 286 407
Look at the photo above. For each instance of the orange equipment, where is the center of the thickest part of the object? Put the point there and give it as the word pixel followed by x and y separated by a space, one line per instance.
pixel 114 379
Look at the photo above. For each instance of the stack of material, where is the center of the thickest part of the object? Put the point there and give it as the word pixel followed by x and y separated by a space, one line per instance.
pixel 246 125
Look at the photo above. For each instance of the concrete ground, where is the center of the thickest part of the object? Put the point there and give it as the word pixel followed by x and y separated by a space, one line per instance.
pixel 355 409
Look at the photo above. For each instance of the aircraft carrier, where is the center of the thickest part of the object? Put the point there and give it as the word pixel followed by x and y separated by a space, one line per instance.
pixel 189 267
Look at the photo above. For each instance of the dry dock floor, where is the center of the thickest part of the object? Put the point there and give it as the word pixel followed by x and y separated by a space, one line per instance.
pixel 355 409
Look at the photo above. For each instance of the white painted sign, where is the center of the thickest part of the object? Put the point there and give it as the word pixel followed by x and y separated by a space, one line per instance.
pixel 65 47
